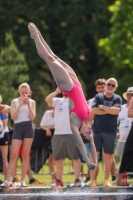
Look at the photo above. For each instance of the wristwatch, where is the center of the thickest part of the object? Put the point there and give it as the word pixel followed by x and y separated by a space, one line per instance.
pixel 101 107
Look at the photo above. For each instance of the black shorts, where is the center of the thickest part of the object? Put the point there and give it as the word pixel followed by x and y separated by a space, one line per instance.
pixel 105 140
pixel 23 130
pixel 5 140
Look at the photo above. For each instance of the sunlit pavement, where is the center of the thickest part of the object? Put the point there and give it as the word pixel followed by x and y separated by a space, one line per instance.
pixel 77 193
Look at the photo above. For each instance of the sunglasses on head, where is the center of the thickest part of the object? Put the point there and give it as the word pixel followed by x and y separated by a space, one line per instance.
pixel 109 84
pixel 130 94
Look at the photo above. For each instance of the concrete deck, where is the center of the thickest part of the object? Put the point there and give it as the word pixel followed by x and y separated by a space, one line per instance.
pixel 77 193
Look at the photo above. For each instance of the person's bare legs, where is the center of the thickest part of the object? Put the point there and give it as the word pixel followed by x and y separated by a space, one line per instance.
pixel 59 169
pixel 61 76
pixel 4 152
pixel 113 168
pixel 65 65
pixel 77 168
pixel 93 173
pixel 51 166
pixel 62 79
pixel 119 179
pixel 14 153
pixel 29 171
pixel 108 164
pixel 27 142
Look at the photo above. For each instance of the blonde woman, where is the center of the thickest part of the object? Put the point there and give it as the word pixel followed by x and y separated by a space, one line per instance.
pixel 23 112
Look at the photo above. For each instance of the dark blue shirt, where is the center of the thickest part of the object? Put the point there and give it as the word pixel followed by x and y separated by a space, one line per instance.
pixel 106 123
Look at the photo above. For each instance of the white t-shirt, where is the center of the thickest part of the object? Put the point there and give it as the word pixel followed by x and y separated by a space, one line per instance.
pixel 1 126
pixel 47 119
pixel 90 103
pixel 23 114
pixel 125 123
pixel 61 116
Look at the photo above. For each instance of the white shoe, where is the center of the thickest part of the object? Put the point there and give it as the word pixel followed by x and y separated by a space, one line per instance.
pixel 72 170
pixel 53 184
pixel 16 184
pixel 23 184
pixel 6 184
pixel 19 184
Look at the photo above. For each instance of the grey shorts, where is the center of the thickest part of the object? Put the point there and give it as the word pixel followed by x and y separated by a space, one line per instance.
pixel 105 140
pixel 23 130
pixel 65 146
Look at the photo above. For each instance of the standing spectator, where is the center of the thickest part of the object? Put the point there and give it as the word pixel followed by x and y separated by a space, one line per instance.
pixel 100 87
pixel 32 180
pixel 127 159
pixel 105 108
pixel 23 112
pixel 5 109
pixel 47 124
pixel 4 138
pixel 125 123
pixel 64 143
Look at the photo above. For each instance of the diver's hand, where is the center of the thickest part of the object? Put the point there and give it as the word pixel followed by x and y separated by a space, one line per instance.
pixel 92 166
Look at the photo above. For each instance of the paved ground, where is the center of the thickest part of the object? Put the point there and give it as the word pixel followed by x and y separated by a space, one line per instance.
pixel 41 193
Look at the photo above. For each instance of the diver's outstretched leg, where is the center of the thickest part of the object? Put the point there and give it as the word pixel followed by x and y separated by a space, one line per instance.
pixel 61 76
pixel 65 65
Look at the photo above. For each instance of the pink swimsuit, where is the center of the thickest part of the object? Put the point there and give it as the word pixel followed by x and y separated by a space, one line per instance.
pixel 80 105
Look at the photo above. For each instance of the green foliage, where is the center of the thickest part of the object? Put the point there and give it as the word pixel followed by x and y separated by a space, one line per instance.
pixel 119 45
pixel 71 28
pixel 94 37
pixel 13 70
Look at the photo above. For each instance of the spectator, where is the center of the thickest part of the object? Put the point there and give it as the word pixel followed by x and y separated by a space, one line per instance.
pixel 124 122
pixel 100 88
pixel 63 142
pixel 5 109
pixel 127 158
pixel 32 180
pixel 23 112
pixel 47 124
pixel 4 138
pixel 105 108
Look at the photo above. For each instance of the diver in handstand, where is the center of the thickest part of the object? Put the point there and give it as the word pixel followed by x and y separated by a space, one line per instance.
pixel 67 81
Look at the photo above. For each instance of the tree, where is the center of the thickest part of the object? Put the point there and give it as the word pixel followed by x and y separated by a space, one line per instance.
pixel 13 70
pixel 72 29
pixel 119 44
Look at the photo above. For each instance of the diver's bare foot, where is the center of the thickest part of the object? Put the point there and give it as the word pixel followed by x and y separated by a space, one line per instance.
pixel 37 30
pixel 32 29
